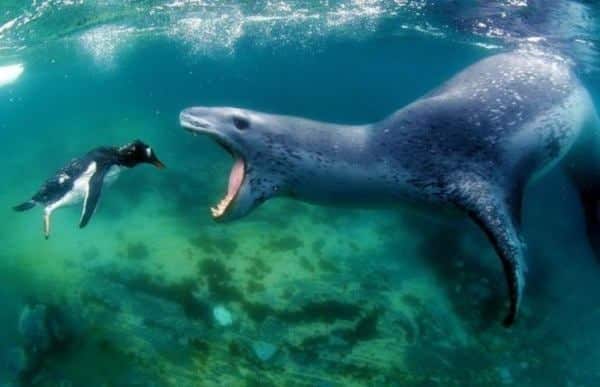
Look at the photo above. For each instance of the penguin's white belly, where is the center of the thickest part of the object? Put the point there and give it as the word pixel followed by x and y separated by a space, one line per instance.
pixel 78 193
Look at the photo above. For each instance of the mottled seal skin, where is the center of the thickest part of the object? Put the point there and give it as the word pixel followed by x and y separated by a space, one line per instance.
pixel 475 143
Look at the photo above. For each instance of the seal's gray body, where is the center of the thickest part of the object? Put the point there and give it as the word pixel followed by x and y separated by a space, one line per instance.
pixel 504 118
pixel 475 142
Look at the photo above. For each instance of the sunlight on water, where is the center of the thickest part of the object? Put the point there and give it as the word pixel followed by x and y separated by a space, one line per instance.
pixel 10 73
pixel 104 42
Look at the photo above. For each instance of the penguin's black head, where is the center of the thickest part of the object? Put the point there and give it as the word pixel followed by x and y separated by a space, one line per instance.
pixel 136 153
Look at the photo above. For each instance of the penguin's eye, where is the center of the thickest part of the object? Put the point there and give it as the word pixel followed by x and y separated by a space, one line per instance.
pixel 240 122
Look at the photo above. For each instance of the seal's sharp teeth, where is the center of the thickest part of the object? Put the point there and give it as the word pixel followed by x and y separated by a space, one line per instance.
pixel 235 181
pixel 221 207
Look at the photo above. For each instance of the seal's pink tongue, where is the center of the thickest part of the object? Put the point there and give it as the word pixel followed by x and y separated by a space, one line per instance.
pixel 236 177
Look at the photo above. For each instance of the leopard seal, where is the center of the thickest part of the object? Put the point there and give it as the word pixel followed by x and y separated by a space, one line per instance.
pixel 475 142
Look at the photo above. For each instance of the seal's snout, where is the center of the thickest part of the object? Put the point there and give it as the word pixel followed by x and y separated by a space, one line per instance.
pixel 219 124
pixel 193 122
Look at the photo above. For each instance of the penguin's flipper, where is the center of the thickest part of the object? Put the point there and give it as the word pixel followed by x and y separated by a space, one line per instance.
pixel 92 196
pixel 496 212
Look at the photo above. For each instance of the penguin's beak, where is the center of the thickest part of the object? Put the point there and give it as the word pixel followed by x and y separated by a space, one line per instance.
pixel 157 163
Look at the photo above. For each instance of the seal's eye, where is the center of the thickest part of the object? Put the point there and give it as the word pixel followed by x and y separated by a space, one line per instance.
pixel 240 123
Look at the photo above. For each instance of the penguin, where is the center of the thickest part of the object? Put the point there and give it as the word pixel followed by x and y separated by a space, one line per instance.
pixel 82 180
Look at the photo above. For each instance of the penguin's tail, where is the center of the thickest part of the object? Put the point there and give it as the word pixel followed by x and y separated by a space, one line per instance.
pixel 28 205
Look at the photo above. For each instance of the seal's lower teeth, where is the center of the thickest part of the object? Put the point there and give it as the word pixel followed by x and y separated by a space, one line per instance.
pixel 221 207
pixel 236 177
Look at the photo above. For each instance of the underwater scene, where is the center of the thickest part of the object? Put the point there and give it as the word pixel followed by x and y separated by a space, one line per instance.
pixel 275 251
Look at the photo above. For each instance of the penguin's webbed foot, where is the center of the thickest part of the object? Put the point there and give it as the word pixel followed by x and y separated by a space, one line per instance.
pixel 46 226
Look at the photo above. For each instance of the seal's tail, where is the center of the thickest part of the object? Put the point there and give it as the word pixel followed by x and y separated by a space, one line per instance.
pixel 583 166
pixel 590 201
pixel 28 205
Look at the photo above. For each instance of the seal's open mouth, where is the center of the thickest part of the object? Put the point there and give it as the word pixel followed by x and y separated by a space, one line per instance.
pixel 197 126
pixel 236 178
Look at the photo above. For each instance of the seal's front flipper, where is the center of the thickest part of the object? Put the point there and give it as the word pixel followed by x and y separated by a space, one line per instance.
pixel 92 195
pixel 496 212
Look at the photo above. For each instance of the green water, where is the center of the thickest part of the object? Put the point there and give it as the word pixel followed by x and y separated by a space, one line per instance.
pixel 344 297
